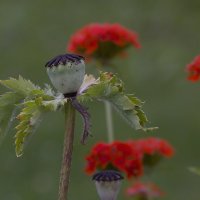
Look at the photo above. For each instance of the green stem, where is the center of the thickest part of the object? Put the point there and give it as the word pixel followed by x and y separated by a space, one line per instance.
pixel 109 121
pixel 67 151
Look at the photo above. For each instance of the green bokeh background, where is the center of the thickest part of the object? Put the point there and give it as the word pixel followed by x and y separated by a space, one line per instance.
pixel 32 32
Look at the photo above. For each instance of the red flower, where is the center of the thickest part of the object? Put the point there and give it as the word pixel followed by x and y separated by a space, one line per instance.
pixel 100 156
pixel 102 41
pixel 152 150
pixel 144 191
pixel 117 155
pixel 128 157
pixel 194 69
pixel 154 145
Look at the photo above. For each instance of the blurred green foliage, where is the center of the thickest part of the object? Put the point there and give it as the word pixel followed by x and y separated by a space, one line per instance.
pixel 32 32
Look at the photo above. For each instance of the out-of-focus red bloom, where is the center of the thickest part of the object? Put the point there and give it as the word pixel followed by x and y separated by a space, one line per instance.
pixel 102 41
pixel 194 69
pixel 144 191
pixel 117 155
pixel 154 145
pixel 153 149
pixel 128 157
pixel 99 157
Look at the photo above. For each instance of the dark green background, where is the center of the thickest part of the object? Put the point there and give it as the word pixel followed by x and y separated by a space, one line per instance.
pixel 31 32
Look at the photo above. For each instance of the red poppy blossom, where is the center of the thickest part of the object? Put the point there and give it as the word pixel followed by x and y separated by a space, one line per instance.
pixel 194 69
pixel 117 155
pixel 102 41
pixel 144 191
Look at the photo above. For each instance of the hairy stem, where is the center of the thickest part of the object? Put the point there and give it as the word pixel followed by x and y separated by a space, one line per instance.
pixel 109 121
pixel 67 151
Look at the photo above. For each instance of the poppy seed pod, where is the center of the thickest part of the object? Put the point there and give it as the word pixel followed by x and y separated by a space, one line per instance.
pixel 108 184
pixel 66 72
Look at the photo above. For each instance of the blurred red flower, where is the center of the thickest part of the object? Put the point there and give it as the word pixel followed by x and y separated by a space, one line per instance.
pixel 153 149
pixel 144 191
pixel 117 155
pixel 194 69
pixel 129 157
pixel 102 41
pixel 126 159
pixel 154 145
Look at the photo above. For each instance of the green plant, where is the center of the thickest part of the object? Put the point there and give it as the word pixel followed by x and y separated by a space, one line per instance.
pixel 28 104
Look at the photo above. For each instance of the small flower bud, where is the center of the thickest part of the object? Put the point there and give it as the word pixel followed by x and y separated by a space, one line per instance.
pixel 108 184
pixel 66 72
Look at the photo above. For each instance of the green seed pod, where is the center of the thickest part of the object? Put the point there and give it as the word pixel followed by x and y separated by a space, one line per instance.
pixel 66 72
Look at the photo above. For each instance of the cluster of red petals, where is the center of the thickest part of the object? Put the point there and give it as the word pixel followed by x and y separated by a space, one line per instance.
pixel 152 145
pixel 117 155
pixel 194 69
pixel 88 40
pixel 147 190
pixel 126 156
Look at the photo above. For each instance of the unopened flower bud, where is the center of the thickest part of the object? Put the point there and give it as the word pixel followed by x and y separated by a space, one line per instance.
pixel 66 72
pixel 108 184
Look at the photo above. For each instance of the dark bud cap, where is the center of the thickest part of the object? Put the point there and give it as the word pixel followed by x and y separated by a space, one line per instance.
pixel 63 59
pixel 107 176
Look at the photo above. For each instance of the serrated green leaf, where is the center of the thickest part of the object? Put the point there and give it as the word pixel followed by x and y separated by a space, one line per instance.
pixel 135 100
pixel 110 88
pixel 29 118
pixel 124 106
pixel 141 115
pixel 34 102
pixel 102 90
pixel 21 86
pixel 53 105
pixel 123 102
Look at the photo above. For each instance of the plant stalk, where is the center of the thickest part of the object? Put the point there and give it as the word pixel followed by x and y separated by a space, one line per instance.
pixel 109 121
pixel 67 150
